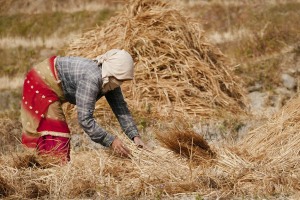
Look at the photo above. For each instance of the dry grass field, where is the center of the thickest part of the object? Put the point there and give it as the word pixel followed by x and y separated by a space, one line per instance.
pixel 215 95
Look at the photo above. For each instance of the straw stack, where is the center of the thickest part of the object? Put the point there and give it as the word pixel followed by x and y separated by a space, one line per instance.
pixel 266 163
pixel 176 69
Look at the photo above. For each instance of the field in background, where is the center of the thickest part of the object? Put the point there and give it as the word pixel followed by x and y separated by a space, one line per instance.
pixel 256 35
pixel 260 37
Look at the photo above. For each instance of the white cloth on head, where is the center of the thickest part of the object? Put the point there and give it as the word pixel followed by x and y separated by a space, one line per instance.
pixel 116 63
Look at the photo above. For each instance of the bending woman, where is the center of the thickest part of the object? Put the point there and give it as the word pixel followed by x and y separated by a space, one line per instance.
pixel 82 82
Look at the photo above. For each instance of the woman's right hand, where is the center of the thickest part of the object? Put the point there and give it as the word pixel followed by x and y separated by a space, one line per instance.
pixel 118 146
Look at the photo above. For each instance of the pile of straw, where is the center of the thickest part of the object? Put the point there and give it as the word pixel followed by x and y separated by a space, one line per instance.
pixel 267 161
pixel 176 69
pixel 264 164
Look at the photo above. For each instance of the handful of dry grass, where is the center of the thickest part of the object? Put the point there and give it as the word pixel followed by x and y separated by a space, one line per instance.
pixel 188 144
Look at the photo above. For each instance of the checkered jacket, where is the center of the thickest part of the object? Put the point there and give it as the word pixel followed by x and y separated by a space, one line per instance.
pixel 81 81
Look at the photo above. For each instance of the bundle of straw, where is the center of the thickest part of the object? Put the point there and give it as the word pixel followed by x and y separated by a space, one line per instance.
pixel 176 69
pixel 5 188
pixel 188 144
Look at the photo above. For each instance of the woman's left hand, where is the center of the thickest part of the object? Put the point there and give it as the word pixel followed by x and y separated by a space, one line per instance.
pixel 139 142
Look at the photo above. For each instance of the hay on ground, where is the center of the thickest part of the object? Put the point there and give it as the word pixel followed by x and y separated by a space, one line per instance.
pixel 101 174
pixel 10 134
pixel 267 160
pixel 264 164
pixel 5 188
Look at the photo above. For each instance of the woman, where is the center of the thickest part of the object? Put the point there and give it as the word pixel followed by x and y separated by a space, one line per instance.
pixel 82 82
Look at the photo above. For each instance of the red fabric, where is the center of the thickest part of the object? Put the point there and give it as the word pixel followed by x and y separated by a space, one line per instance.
pixel 28 141
pixel 37 96
pixel 47 124
pixel 55 146
pixel 51 63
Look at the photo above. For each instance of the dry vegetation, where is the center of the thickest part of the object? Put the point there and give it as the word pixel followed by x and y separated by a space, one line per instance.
pixel 179 68
pixel 258 36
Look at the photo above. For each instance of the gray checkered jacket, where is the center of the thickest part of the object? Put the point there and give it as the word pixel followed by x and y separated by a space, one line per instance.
pixel 81 83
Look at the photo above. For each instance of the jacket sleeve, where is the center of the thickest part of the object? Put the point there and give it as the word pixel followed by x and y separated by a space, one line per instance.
pixel 86 97
pixel 119 106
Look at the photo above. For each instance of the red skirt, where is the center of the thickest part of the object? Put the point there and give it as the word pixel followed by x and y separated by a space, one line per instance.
pixel 43 120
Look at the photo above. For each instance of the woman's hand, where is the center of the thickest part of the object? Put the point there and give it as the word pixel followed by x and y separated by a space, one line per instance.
pixel 139 142
pixel 120 148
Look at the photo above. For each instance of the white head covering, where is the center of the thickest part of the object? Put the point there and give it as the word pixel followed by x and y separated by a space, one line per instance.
pixel 116 63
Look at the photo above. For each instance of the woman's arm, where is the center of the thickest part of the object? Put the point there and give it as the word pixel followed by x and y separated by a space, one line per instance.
pixel 86 97
pixel 119 106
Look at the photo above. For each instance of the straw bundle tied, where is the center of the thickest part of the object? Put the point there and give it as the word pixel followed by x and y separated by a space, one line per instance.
pixel 176 69
pixel 187 143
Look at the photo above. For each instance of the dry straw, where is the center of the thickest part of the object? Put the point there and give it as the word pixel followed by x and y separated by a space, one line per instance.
pixel 263 165
pixel 267 161
pixel 9 131
pixel 182 140
pixel 102 174
pixel 176 69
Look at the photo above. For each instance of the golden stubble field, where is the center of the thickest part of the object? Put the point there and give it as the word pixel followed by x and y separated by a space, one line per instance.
pixel 215 94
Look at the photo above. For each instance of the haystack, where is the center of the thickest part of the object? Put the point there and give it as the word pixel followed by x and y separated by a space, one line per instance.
pixel 103 175
pixel 176 69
